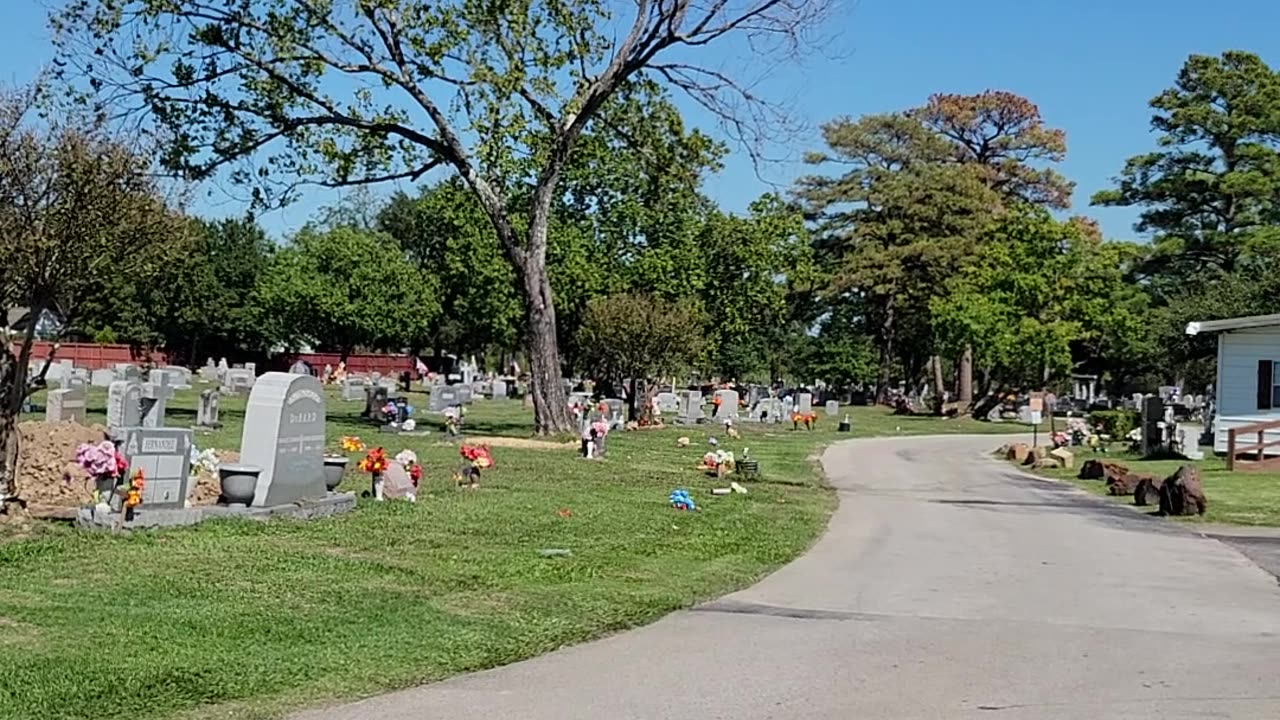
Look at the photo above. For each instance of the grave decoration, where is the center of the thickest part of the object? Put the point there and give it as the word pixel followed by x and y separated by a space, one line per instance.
pixel 680 500
pixel 719 462
pixel 453 417
pixel 809 419
pixel 593 438
pixel 105 465
pixel 403 476
pixel 475 458
pixel 375 463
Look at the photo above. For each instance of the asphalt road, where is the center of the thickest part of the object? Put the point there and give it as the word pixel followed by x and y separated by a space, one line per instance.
pixel 946 588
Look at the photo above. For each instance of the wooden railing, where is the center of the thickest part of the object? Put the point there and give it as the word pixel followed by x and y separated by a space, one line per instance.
pixel 1261 462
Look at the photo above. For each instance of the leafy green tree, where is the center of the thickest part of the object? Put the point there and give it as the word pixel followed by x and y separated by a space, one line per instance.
pixel 1209 192
pixel 341 289
pixel 77 206
pixel 1042 296
pixel 638 338
pixel 447 235
pixel 506 91
pixel 1003 136
pixel 202 302
pixel 750 264
pixel 898 220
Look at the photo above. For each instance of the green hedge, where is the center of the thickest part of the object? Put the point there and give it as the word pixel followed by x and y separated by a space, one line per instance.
pixel 1116 423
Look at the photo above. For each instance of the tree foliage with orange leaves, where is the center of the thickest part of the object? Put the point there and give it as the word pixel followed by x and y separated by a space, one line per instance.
pixel 1003 134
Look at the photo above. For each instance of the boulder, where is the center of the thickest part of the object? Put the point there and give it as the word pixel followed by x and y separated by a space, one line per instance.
pixel 1097 469
pixel 1017 452
pixel 1125 483
pixel 1147 492
pixel 1065 456
pixel 1181 493
pixel 1050 462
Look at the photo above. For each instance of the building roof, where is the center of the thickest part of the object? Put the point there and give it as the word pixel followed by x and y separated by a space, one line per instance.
pixel 1240 323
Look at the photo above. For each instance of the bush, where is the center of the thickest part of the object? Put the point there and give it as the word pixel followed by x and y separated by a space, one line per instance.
pixel 1116 423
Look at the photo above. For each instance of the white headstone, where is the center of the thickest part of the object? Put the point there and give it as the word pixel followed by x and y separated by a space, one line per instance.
pixel 804 403
pixel 668 402
pixel 832 408
pixel 727 408
pixel 690 407
pixel 284 435
pixel 207 412
pixel 499 389
pixel 102 378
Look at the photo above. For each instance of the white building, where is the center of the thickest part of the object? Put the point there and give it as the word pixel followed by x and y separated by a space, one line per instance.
pixel 1248 379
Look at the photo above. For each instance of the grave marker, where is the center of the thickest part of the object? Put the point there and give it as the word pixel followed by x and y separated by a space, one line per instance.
pixel 690 410
pixel 102 378
pixel 499 389
pixel 155 399
pixel 616 413
pixel 207 412
pixel 804 403
pixel 352 388
pixel 444 396
pixel 124 405
pixel 164 457
pixel 832 408
pixel 727 408
pixel 284 435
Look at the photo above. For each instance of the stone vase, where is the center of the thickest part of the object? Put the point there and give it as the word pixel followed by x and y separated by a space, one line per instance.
pixel 105 487
pixel 335 466
pixel 239 483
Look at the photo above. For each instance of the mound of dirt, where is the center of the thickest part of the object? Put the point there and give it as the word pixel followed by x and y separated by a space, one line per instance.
pixel 206 489
pixel 48 474
pixel 47 471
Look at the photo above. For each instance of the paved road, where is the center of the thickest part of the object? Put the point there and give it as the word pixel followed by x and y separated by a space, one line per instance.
pixel 945 588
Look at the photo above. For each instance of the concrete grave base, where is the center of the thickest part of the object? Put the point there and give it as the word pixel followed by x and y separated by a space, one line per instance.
pixel 332 504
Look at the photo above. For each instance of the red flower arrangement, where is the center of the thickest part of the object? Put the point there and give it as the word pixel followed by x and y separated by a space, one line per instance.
pixel 477 455
pixel 375 462
pixel 809 419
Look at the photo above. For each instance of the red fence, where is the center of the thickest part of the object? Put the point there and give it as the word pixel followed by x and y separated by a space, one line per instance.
pixel 94 357
pixel 390 365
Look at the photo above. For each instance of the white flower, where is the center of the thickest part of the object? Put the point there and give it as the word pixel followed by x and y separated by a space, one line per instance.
pixel 407 458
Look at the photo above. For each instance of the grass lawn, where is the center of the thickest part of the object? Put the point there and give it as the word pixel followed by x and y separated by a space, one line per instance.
pixel 239 619
pixel 1238 498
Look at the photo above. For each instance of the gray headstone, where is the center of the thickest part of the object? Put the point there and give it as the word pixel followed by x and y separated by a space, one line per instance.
pixel 124 405
pixel 580 398
pixel 804 403
pixel 832 408
pixel 208 374
pixel 767 410
pixel 690 407
pixel 284 435
pixel 155 400
pixel 465 395
pixel 179 377
pixel 207 412
pixel 128 371
pixel 299 368
pixel 668 402
pixel 728 407
pixel 352 388
pixel 252 368
pixel 444 396
pixel 499 389
pixel 238 380
pixel 164 456
pixel 60 372
pixel 54 402
pixel 617 413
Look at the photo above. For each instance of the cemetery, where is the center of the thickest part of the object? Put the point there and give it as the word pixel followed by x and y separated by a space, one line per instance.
pixel 550 385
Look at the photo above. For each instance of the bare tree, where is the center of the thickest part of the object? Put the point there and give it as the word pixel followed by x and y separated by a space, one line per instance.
pixel 341 92
pixel 77 207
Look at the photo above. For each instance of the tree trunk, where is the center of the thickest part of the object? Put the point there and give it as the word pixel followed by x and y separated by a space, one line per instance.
pixel 550 405
pixel 939 385
pixel 886 354
pixel 966 377
pixel 10 386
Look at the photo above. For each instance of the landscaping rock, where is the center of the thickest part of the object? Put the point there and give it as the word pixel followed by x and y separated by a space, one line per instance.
pixel 1125 483
pixel 1065 456
pixel 1017 452
pixel 1147 492
pixel 1050 462
pixel 1097 469
pixel 1181 493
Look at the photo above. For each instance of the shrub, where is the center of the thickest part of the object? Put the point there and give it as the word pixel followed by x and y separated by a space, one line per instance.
pixel 1116 423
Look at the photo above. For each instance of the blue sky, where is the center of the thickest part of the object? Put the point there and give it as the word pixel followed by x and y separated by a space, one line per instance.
pixel 1091 66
